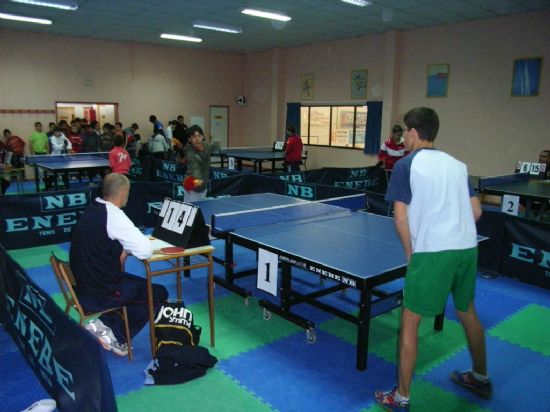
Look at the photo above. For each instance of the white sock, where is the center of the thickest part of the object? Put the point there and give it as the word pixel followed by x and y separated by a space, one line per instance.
pixel 400 398
pixel 479 377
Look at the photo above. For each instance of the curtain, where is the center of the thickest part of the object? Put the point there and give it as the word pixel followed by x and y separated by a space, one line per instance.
pixel 293 115
pixel 374 127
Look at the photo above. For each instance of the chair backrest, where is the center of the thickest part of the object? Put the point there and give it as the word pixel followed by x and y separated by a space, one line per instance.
pixel 67 283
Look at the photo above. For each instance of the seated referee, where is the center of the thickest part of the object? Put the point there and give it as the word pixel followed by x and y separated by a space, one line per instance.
pixel 102 239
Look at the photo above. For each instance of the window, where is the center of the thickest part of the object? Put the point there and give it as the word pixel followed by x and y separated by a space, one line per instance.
pixel 334 126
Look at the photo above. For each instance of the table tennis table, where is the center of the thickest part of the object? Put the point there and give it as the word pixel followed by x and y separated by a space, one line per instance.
pixel 65 164
pixel 353 248
pixel 255 155
pixel 529 189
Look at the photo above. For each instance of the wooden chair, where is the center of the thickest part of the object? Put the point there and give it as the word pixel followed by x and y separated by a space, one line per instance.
pixel 304 159
pixel 67 283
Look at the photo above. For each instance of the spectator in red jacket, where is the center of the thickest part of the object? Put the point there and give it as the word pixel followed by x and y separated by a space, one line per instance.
pixel 392 149
pixel 293 150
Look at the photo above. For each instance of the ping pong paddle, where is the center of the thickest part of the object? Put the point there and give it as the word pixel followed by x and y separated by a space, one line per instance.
pixel 190 182
pixel 172 250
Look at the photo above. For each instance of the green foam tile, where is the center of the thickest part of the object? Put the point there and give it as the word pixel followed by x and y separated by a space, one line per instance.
pixel 37 256
pixel 238 327
pixel 525 328
pixel 433 347
pixel 60 301
pixel 213 392
pixel 428 397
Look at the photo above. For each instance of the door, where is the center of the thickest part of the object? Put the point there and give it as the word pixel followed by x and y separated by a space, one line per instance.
pixel 219 125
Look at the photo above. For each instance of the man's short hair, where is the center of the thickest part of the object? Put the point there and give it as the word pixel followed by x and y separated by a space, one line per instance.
pixel 37 123
pixel 134 126
pixel 118 141
pixel 113 183
pixel 193 129
pixel 291 128
pixel 397 129
pixel 425 121
pixel 152 118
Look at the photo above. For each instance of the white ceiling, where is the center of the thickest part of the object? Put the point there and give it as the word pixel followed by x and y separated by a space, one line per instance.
pixel 312 21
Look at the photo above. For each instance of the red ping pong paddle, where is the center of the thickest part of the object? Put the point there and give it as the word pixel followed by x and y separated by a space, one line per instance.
pixel 172 250
pixel 190 182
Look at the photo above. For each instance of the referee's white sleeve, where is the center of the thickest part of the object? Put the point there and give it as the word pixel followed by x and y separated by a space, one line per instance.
pixel 121 228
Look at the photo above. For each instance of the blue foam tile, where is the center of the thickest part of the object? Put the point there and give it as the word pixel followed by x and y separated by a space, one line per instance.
pixel 292 375
pixel 515 289
pixel 19 385
pixel 492 305
pixel 519 377
pixel 44 277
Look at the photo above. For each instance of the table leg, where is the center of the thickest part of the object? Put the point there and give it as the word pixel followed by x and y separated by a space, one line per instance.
pixel 151 308
pixel 211 299
pixel 178 279
pixel 363 329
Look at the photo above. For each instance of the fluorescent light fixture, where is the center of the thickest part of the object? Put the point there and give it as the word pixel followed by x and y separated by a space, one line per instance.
pixel 201 24
pixel 360 3
pixel 179 37
pixel 55 5
pixel 6 16
pixel 266 15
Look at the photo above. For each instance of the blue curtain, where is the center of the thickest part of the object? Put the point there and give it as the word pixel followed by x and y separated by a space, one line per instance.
pixel 293 115
pixel 374 127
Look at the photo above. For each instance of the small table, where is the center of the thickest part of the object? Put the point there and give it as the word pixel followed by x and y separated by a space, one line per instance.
pixel 180 262
pixel 9 172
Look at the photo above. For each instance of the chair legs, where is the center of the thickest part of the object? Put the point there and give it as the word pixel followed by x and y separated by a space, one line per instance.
pixel 128 336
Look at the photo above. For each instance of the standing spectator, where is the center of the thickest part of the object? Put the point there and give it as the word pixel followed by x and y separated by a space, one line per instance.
pixel 158 146
pixel 293 150
pixel 16 146
pixel 544 158
pixel 38 140
pixel 435 213
pixel 51 127
pixel 158 127
pixel 59 143
pixel 119 131
pixel 96 126
pixel 119 158
pixel 180 131
pixel 91 140
pixel 131 140
pixel 75 137
pixel 392 149
pixel 106 138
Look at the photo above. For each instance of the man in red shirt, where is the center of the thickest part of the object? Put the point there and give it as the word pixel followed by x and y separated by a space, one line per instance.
pixel 293 150
pixel 392 149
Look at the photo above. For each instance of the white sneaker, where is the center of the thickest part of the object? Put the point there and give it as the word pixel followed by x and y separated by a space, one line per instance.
pixel 96 326
pixel 44 405
pixel 109 342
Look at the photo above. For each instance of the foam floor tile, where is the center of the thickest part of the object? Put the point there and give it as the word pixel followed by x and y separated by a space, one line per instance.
pixel 213 392
pixel 44 277
pixel 292 375
pixel 383 338
pixel 527 328
pixel 37 256
pixel 514 372
pixel 238 327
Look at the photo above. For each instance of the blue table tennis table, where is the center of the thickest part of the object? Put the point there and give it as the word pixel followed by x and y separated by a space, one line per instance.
pixel 530 190
pixel 353 248
pixel 64 164
pixel 255 155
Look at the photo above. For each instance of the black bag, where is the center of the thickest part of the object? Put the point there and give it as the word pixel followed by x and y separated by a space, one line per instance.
pixel 174 324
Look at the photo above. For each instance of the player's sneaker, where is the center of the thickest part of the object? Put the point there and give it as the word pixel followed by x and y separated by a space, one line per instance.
pixel 387 401
pixel 109 342
pixel 469 381
pixel 96 326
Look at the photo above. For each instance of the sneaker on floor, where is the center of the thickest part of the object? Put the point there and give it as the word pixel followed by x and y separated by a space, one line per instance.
pixel 109 342
pixel 387 401
pixel 468 380
pixel 96 326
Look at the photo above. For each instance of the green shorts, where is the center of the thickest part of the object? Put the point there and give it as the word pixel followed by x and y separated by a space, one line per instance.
pixel 431 276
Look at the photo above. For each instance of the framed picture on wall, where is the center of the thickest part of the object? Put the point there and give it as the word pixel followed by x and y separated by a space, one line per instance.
pixel 526 77
pixel 307 86
pixel 359 84
pixel 438 80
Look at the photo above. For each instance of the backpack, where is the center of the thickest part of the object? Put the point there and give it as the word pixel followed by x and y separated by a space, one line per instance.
pixel 174 325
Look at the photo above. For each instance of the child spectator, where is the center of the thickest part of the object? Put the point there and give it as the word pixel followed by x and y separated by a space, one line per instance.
pixel 119 158
pixel 75 137
pixel 392 149
pixel 59 143
pixel 39 140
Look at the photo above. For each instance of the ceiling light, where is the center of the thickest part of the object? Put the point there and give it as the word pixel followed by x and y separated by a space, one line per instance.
pixel 266 14
pixel 179 37
pixel 360 3
pixel 62 6
pixel 6 16
pixel 200 24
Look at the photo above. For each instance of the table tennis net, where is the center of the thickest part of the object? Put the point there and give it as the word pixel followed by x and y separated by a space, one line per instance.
pixel 228 222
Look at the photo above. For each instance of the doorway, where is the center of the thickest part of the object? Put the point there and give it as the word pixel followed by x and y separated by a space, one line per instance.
pixel 102 112
pixel 219 125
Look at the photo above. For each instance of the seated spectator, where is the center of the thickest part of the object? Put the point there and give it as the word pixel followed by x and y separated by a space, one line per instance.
pixel 119 158
pixel 544 158
pixel 102 239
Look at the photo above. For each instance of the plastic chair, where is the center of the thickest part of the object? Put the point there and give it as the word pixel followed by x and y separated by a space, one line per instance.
pixel 67 283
